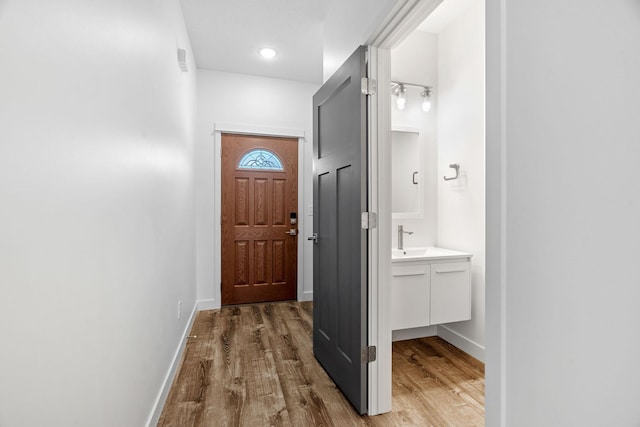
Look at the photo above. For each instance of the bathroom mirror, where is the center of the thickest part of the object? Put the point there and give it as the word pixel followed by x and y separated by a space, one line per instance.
pixel 406 176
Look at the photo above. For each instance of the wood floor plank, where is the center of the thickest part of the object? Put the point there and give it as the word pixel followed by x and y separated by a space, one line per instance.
pixel 253 365
pixel 305 406
pixel 265 399
pixel 461 382
pixel 442 389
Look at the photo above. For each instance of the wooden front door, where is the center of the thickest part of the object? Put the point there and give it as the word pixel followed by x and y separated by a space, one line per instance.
pixel 259 218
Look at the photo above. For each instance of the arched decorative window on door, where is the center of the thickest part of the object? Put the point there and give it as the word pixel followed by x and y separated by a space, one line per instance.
pixel 260 158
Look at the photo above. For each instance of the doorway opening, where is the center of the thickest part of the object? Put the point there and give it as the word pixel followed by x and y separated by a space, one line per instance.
pixel 437 172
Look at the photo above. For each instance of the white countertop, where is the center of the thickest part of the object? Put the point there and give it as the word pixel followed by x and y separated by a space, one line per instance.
pixel 426 253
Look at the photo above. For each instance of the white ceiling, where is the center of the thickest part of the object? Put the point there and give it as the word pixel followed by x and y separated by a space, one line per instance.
pixel 227 34
pixel 444 14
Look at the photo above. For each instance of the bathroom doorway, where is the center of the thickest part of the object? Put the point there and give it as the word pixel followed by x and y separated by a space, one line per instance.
pixel 437 108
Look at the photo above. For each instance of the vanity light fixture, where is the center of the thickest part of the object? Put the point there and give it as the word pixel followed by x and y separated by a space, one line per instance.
pixel 268 53
pixel 399 90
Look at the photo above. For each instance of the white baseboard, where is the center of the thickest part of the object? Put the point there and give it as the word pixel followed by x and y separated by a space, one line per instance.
pixel 156 411
pixel 206 304
pixel 305 296
pixel 462 342
pixel 413 333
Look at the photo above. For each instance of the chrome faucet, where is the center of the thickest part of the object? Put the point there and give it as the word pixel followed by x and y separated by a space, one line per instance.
pixel 401 233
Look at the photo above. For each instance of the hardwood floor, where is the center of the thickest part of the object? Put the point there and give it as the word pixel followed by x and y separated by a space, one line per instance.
pixel 253 365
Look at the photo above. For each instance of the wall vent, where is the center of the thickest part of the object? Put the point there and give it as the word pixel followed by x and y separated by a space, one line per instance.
pixel 182 60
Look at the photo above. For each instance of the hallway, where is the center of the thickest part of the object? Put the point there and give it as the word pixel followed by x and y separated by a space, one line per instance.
pixel 253 365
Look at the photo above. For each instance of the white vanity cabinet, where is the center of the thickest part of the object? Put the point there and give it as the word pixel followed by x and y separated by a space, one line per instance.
pixel 429 290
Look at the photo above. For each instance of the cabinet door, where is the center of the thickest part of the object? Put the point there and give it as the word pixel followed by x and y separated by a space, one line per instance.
pixel 409 296
pixel 450 292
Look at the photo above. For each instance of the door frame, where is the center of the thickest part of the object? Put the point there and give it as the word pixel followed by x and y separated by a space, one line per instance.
pixel 219 129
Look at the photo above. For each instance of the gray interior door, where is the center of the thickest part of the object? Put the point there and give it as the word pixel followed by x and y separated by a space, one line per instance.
pixel 340 253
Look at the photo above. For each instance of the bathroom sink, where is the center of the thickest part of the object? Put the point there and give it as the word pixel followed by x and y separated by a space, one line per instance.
pixel 426 253
pixel 409 253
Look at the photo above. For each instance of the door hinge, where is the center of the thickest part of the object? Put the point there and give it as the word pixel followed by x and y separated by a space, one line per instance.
pixel 369 354
pixel 369 220
pixel 368 86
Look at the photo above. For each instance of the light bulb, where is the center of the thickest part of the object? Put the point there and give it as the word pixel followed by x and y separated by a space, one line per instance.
pixel 426 104
pixel 401 102
pixel 426 99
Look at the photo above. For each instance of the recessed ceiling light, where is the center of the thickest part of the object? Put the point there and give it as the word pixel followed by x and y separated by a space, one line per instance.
pixel 268 53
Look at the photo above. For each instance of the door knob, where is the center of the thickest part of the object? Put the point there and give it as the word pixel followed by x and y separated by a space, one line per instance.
pixel 292 232
pixel 314 237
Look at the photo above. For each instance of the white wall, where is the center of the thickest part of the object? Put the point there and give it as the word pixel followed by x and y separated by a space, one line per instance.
pixel 461 139
pixel 415 60
pixel 567 186
pixel 253 101
pixel 348 25
pixel 96 217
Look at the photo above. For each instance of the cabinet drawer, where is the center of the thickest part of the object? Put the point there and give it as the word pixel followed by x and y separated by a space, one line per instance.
pixel 410 296
pixel 450 292
pixel 410 270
